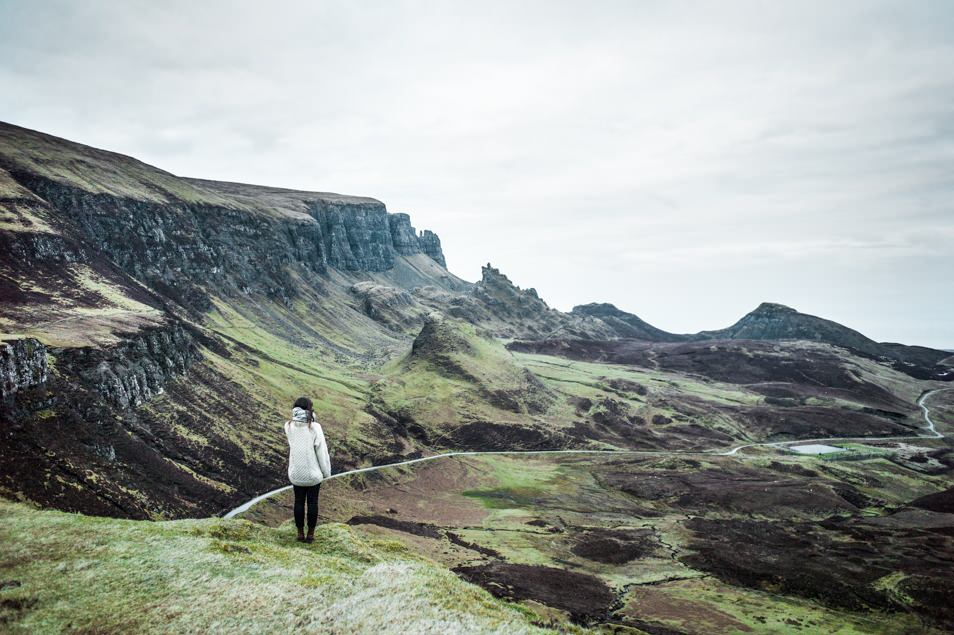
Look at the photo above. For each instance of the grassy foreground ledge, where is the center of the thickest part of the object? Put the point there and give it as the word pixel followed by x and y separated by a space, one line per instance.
pixel 63 572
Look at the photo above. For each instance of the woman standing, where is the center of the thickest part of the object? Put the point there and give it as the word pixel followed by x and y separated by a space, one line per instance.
pixel 308 464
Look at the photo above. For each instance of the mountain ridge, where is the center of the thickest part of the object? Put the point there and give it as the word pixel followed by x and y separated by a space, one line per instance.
pixel 770 321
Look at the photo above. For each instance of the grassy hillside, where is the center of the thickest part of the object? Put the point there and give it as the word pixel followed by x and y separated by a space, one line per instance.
pixel 455 379
pixel 65 572
pixel 102 172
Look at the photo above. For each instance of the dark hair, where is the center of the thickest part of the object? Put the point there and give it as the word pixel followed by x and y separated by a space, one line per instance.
pixel 305 404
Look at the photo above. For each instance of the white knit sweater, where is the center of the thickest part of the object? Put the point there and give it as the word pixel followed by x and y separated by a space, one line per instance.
pixel 308 460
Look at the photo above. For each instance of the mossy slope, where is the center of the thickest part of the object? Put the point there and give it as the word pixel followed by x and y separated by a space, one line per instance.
pixel 65 572
pixel 455 375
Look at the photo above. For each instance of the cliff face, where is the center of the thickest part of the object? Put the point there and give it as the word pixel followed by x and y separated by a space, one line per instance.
pixel 407 242
pixel 22 365
pixel 175 247
pixel 431 245
pixel 136 369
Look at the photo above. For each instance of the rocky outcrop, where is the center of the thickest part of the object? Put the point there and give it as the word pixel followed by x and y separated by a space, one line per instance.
pixel 407 243
pixel 136 369
pixel 438 341
pixel 355 236
pixel 776 322
pixel 22 365
pixel 394 308
pixel 402 235
pixel 522 313
pixel 431 245
pixel 770 321
pixel 462 352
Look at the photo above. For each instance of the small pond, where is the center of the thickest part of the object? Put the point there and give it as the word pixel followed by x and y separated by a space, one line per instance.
pixel 815 449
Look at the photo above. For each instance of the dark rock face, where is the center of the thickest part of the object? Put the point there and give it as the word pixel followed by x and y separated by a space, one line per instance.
pixel 431 245
pixel 394 308
pixel 22 365
pixel 407 243
pixel 356 236
pixel 403 236
pixel 136 369
pixel 172 246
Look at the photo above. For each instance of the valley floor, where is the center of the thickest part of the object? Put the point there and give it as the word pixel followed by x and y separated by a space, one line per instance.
pixel 766 542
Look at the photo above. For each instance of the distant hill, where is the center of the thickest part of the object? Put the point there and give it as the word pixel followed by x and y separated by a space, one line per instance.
pixel 773 322
pixel 626 324
pixel 770 321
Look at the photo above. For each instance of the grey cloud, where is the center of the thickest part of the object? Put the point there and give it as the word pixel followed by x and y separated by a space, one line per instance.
pixel 684 160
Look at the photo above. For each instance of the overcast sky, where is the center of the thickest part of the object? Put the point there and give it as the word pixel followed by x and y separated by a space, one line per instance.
pixel 684 161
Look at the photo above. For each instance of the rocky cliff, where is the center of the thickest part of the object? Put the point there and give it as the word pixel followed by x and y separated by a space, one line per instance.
pixel 22 365
pixel 136 369
pixel 406 242
pixel 185 249
pixel 431 245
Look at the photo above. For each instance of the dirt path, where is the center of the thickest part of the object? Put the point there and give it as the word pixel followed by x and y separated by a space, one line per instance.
pixel 934 434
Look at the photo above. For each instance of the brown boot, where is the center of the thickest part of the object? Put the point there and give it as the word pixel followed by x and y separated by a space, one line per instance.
pixel 301 535
pixel 311 535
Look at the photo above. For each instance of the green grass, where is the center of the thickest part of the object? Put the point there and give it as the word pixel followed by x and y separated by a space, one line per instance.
pixel 94 170
pixel 455 382
pixel 67 572
pixel 277 370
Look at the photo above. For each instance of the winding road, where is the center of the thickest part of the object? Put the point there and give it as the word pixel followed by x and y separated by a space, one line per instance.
pixel 933 434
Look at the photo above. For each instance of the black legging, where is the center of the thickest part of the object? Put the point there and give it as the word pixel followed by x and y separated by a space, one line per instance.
pixel 311 493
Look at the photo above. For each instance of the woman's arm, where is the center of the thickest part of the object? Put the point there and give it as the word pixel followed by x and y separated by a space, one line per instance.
pixel 321 449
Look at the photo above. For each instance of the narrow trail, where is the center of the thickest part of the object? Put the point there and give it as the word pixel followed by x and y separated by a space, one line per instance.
pixel 933 434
